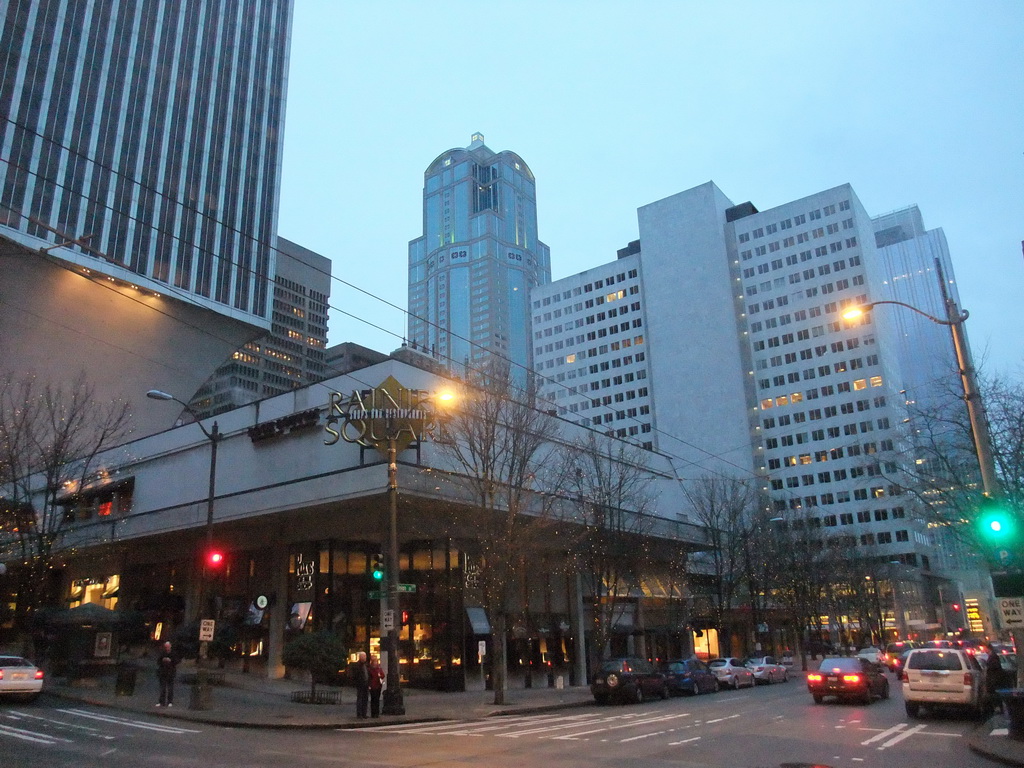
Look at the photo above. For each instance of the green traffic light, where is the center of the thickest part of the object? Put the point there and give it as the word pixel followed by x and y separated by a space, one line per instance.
pixel 378 575
pixel 995 522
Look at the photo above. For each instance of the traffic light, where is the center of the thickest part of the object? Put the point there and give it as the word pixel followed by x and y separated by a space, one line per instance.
pixel 377 570
pixel 215 558
pixel 995 521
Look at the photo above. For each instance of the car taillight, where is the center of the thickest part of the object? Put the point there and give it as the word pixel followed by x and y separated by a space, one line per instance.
pixel 39 674
pixel 904 678
pixel 851 678
pixel 968 678
pixel 1 674
pixel 815 678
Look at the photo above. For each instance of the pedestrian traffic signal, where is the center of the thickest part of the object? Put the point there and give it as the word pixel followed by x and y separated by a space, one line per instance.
pixel 377 571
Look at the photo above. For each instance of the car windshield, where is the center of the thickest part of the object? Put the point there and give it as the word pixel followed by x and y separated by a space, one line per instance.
pixel 719 662
pixel 757 660
pixel 612 666
pixel 843 664
pixel 13 661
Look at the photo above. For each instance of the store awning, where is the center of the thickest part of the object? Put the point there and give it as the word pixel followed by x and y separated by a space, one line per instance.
pixel 478 620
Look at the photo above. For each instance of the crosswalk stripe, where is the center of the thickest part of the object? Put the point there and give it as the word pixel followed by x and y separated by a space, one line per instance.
pixel 33 736
pixel 128 723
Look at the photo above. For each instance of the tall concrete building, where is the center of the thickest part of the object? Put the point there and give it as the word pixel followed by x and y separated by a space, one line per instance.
pixel 141 147
pixel 472 270
pixel 293 354
pixel 750 370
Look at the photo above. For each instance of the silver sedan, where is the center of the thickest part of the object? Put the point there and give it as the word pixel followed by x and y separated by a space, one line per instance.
pixel 766 669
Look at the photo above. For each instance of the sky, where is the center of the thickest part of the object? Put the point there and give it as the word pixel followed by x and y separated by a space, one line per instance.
pixel 615 105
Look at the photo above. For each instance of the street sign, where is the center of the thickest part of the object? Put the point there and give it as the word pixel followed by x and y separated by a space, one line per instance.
pixel 406 587
pixel 376 594
pixel 206 630
pixel 387 620
pixel 1012 609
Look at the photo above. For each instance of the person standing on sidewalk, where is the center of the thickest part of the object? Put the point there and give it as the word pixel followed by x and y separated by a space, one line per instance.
pixel 166 669
pixel 376 686
pixel 361 680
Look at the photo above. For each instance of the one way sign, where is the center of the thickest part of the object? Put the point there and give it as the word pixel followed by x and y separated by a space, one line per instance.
pixel 1012 609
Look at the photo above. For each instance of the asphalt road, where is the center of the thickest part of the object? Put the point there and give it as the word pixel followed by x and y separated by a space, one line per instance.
pixel 761 728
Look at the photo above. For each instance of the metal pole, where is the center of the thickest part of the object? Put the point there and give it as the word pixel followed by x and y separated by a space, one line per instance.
pixel 393 703
pixel 205 591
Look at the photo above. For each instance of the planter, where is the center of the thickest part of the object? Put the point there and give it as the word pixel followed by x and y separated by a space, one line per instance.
pixel 1013 700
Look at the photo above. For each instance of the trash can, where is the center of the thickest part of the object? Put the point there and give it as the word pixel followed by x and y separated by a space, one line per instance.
pixel 124 683
pixel 1013 700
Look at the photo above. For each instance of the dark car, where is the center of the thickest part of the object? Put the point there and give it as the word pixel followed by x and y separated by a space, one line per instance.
pixel 628 680
pixel 689 676
pixel 849 678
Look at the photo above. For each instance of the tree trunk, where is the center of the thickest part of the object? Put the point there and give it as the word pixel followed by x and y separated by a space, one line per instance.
pixel 499 663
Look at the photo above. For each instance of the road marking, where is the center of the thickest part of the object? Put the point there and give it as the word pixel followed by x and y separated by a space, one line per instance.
pixel 905 735
pixel 616 727
pixel 884 734
pixel 128 723
pixel 684 741
pixel 722 719
pixel 34 736
pixel 95 732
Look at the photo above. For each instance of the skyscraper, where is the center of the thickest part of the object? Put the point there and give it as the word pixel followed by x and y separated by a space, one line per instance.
pixel 471 272
pixel 140 148
pixel 733 321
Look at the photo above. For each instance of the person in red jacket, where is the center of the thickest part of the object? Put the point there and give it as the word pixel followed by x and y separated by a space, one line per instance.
pixel 376 686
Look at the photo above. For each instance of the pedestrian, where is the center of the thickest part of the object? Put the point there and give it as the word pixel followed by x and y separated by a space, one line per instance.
pixel 376 686
pixel 995 678
pixel 361 680
pixel 166 668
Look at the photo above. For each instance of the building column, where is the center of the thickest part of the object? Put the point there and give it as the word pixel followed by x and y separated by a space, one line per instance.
pixel 278 609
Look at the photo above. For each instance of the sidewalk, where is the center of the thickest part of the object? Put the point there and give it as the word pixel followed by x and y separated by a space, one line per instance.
pixel 990 740
pixel 254 701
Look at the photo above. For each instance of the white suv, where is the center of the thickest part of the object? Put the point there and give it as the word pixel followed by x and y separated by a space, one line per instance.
pixel 943 677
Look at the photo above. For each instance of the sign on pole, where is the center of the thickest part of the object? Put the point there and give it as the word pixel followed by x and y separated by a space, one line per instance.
pixel 206 627
pixel 1012 610
pixel 387 620
pixel 406 587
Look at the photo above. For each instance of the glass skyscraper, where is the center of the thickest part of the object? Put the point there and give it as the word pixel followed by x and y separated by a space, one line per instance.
pixel 472 270
pixel 156 129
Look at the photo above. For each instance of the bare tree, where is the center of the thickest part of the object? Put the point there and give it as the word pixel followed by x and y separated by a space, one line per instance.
pixel 50 438
pixel 502 446
pixel 725 507
pixel 611 485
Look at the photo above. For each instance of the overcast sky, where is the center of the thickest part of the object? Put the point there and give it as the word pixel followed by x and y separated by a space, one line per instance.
pixel 618 104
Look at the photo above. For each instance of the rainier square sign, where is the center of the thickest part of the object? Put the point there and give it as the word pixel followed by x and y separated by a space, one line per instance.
pixel 375 417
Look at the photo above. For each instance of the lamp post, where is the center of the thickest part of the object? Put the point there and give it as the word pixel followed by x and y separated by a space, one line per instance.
pixel 214 436
pixel 968 379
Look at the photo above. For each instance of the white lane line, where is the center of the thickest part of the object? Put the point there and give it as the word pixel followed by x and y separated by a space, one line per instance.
pixel 128 723
pixel 684 741
pixel 884 734
pixel 906 734
pixel 33 736
pixel 563 726
pixel 645 736
pixel 721 719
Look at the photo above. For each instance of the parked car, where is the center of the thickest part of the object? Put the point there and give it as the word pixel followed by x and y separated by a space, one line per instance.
pixel 689 676
pixel 943 678
pixel 731 673
pixel 766 670
pixel 20 678
pixel 848 677
pixel 628 679
pixel 872 654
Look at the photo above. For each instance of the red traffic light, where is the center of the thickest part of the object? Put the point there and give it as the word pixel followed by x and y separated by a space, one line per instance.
pixel 215 558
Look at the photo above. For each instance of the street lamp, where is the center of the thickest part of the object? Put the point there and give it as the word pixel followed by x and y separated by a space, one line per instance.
pixel 975 408
pixel 214 436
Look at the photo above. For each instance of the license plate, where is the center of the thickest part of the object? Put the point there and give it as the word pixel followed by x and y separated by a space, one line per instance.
pixel 19 676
